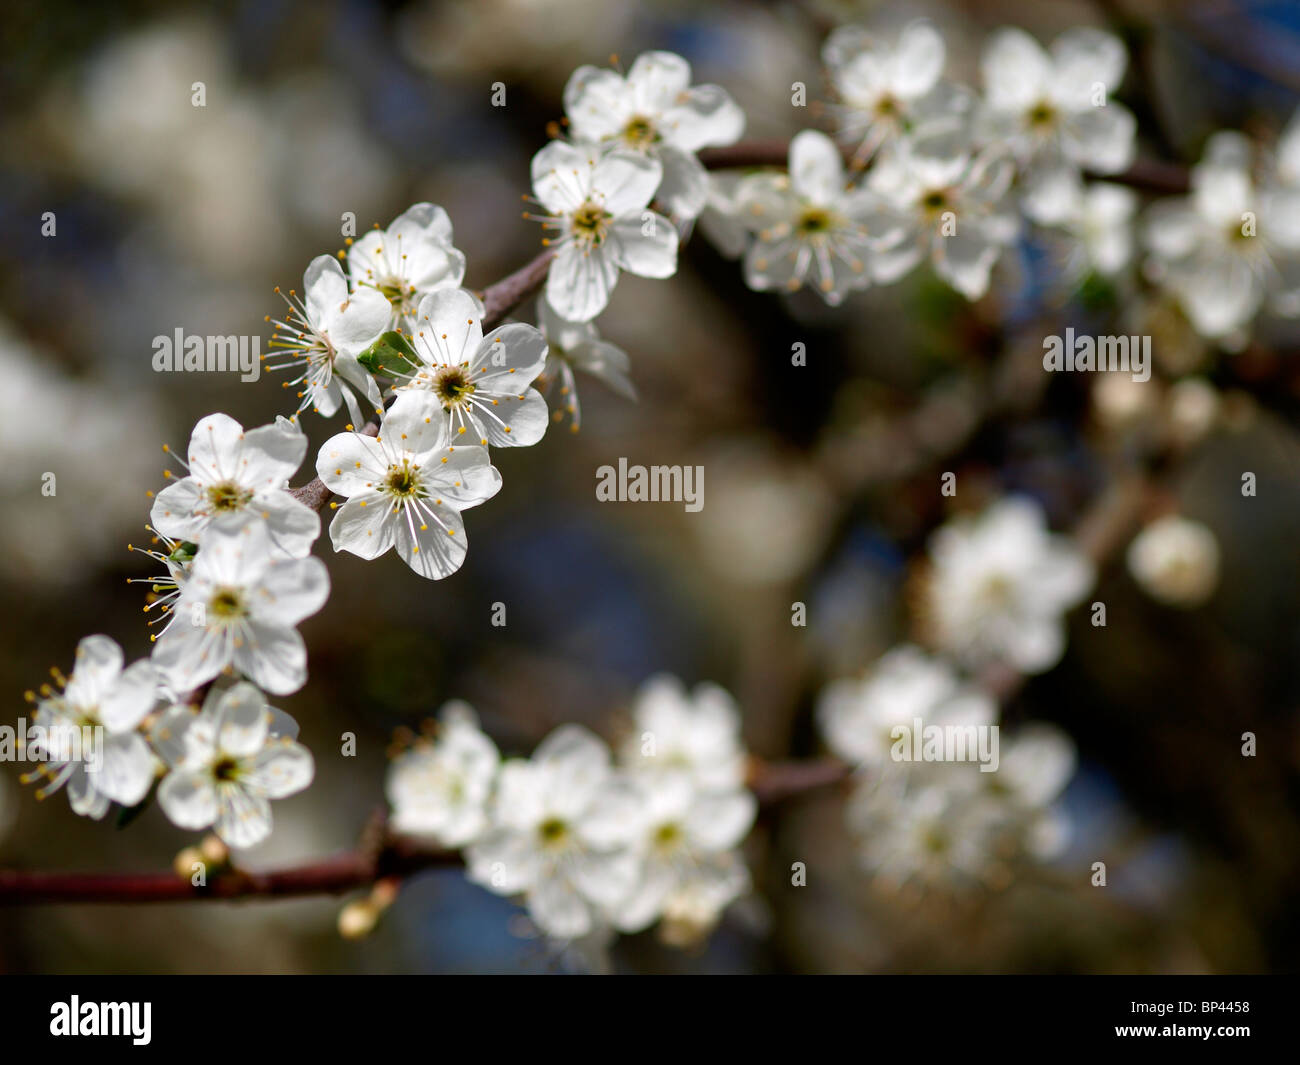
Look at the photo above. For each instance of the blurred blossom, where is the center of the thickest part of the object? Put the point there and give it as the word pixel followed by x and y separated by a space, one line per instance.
pixel 100 446
pixel 1120 401
pixel 1193 408
pixel 1176 561
pixel 999 584
pixel 766 516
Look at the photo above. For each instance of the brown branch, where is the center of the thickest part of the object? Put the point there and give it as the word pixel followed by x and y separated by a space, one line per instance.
pixel 395 858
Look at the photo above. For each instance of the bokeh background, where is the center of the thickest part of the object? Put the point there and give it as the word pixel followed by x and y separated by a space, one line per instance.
pixel 170 216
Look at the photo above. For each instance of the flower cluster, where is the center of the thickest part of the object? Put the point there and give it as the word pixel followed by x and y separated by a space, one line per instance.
pixel 994 592
pixel 589 842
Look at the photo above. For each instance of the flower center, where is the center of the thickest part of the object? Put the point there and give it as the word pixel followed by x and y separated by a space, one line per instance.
pixel 640 132
pixel 453 387
pixel 396 292
pixel 589 223
pixel 553 832
pixel 887 107
pixel 226 603
pixel 667 836
pixel 226 770
pixel 228 496
pixel 1042 116
pixel 815 221
pixel 403 481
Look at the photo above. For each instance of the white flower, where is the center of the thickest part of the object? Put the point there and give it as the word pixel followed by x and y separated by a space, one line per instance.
pixel 1176 561
pixel 227 762
pixel 238 610
pixel 810 227
pixel 685 842
pixel 999 584
pixel 1101 225
pixel 947 203
pixel 1214 250
pixel 442 789
pixel 407 261
pixel 562 824
pixel 100 693
pixel 1037 763
pixel 599 206
pixel 324 333
pixel 696 732
pixel 655 111
pixel 237 472
pixel 887 87
pixel 406 487
pixel 857 717
pixel 926 825
pixel 577 346
pixel 1054 111
pixel 483 383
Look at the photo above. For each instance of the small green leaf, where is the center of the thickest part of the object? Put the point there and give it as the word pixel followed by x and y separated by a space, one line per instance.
pixel 391 355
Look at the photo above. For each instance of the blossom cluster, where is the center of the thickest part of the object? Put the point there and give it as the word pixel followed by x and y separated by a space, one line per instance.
pixel 958 175
pixel 589 841
pixel 994 593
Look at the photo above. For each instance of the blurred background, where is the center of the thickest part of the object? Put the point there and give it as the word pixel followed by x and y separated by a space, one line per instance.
pixel 171 216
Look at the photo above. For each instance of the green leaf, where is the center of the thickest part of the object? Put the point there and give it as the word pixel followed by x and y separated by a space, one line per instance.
pixel 391 355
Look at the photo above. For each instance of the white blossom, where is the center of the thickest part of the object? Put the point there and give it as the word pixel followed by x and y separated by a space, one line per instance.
pixel 999 584
pixel 811 227
pixel 1176 561
pixel 887 87
pixel 858 717
pixel 406 487
pixel 599 211
pixel 685 843
pixel 98 694
pixel 238 611
pixel 231 471
pixel 413 257
pixel 1215 249
pixel 441 789
pixel 227 762
pixel 482 383
pixel 1053 109
pixel 946 203
pixel 696 732
pixel 324 332
pixel 655 111
pixel 561 834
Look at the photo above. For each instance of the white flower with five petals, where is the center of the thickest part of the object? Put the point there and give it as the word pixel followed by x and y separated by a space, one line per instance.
pixel 1053 109
pixel 227 762
pixel 236 472
pixel 406 487
pixel 656 111
pixel 696 732
pixel 441 789
pixel 598 206
pixel 238 611
pixel 483 384
pixel 561 834
pixel 999 584
pixel 411 258
pixel 98 694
